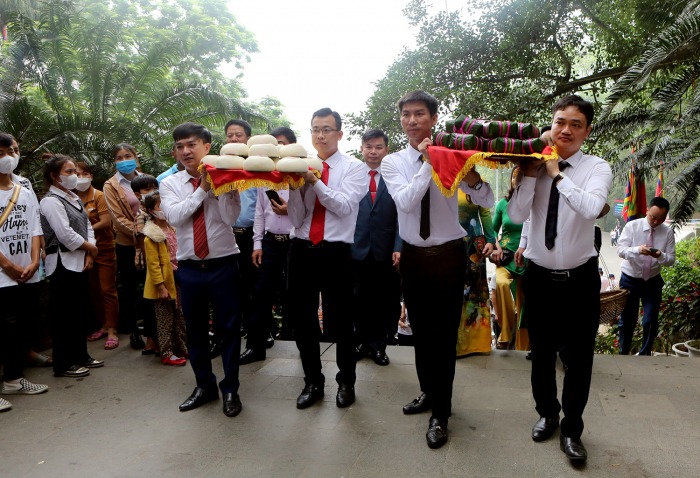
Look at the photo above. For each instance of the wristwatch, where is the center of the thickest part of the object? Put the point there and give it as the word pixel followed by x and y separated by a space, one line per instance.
pixel 558 178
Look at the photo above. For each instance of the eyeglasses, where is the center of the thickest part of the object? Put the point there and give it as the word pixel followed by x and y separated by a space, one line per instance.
pixel 325 131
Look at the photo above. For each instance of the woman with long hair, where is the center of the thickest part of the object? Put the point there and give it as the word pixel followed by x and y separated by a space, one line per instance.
pixel 70 254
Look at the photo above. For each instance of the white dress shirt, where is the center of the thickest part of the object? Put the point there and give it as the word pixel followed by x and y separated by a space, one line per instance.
pixel 179 201
pixel 407 178
pixel 348 182
pixel 54 210
pixel 583 192
pixel 267 220
pixel 635 234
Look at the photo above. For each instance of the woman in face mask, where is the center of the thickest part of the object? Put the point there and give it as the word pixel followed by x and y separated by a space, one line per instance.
pixel 70 254
pixel 103 276
pixel 123 207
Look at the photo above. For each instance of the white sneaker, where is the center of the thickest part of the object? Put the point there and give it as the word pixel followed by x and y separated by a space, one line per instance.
pixel 24 387
pixel 4 405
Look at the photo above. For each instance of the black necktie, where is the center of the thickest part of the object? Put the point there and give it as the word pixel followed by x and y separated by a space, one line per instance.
pixel 425 215
pixel 550 226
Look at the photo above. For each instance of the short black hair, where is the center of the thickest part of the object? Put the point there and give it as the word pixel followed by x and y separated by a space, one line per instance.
pixel 419 96
pixel 324 112
pixel 6 140
pixel 144 181
pixel 585 107
pixel 660 202
pixel 188 130
pixel 375 133
pixel 544 129
pixel 286 132
pixel 239 122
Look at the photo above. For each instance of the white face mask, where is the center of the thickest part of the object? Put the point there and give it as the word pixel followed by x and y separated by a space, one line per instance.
pixel 158 215
pixel 83 184
pixel 6 164
pixel 69 182
pixel 15 162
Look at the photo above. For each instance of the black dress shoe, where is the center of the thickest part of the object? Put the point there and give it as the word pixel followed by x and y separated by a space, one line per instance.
pixel 269 342
pixel 93 363
pixel 361 352
pixel 232 404
pixel 380 358
pixel 419 405
pixel 345 396
pixel 199 397
pixel 437 433
pixel 544 428
pixel 136 342
pixel 573 448
pixel 250 356
pixel 74 371
pixel 309 395
pixel 214 350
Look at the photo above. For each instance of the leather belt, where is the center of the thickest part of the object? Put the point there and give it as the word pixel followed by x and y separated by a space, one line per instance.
pixel 560 275
pixel 243 230
pixel 278 237
pixel 208 263
pixel 434 250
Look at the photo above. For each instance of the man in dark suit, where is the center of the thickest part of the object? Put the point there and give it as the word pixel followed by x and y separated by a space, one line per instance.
pixel 376 253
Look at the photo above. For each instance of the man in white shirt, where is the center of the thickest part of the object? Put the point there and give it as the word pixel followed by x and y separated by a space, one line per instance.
pixel 271 241
pixel 207 270
pixel 433 258
pixel 323 213
pixel 561 282
pixel 646 244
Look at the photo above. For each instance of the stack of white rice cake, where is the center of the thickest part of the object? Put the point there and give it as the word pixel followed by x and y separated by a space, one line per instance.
pixel 263 154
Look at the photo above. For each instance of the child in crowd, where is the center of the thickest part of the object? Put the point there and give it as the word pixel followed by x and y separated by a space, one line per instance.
pixel 160 246
pixel 20 234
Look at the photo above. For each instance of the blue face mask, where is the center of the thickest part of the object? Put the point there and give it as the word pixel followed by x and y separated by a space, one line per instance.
pixel 127 166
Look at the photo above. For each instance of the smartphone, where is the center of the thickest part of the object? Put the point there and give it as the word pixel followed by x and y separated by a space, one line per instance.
pixel 273 196
pixel 653 250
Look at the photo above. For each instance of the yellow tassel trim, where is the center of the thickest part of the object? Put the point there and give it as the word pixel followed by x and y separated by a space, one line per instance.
pixel 480 159
pixel 288 182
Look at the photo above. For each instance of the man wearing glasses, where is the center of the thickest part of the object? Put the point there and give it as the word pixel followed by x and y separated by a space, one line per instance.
pixel 323 213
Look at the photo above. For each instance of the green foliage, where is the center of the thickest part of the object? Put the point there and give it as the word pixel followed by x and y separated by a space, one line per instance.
pixel 679 319
pixel 74 80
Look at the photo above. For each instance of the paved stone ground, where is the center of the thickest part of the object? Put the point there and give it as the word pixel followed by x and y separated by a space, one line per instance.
pixel 643 419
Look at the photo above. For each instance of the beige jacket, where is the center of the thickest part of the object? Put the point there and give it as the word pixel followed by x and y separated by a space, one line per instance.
pixel 119 209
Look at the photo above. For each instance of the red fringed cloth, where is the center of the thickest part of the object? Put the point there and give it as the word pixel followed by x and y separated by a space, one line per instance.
pixel 225 180
pixel 450 165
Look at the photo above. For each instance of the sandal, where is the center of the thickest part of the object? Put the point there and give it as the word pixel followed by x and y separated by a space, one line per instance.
pixel 97 335
pixel 111 343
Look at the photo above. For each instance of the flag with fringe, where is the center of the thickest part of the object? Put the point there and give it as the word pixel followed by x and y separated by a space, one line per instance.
pixel 635 205
pixel 660 183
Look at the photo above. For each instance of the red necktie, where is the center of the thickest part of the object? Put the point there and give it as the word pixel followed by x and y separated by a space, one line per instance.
pixel 318 219
pixel 372 185
pixel 199 228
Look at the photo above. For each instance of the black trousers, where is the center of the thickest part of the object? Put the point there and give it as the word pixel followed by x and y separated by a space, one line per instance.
pixel 326 270
pixel 248 273
pixel 271 282
pixel 14 324
pixel 377 301
pixel 432 280
pixel 562 317
pixel 132 306
pixel 70 318
pixel 205 284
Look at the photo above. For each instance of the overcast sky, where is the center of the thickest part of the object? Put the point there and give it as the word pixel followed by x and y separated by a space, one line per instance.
pixel 316 53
